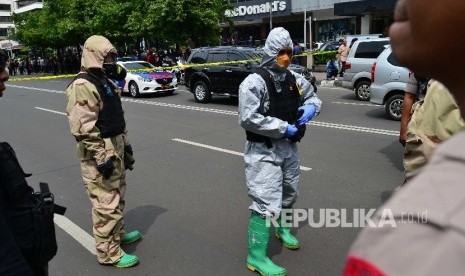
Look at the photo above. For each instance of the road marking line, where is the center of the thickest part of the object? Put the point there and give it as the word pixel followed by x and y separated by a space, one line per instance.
pixel 38 89
pixel 219 111
pixel 187 107
pixel 355 104
pixel 49 110
pixel 186 142
pixel 76 232
pixel 225 112
pixel 222 150
pixel 356 128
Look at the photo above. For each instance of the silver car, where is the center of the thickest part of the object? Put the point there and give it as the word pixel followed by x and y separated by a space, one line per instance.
pixel 389 81
pixel 359 61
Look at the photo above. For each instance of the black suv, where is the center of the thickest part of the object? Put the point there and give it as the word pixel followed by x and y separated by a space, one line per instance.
pixel 224 79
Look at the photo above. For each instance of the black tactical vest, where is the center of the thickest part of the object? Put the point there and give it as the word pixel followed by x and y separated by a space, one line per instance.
pixel 111 118
pixel 283 105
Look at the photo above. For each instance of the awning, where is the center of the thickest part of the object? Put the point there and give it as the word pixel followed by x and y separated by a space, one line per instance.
pixel 364 7
pixel 10 44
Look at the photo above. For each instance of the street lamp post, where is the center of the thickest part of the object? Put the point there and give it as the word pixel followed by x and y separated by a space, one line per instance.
pixel 305 25
pixel 271 15
pixel 10 52
pixel 310 38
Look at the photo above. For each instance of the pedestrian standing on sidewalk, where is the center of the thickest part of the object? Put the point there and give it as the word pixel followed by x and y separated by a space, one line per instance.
pixel 97 123
pixel 274 106
pixel 343 52
pixel 297 50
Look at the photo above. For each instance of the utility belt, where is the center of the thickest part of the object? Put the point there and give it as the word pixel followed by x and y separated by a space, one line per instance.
pixel 253 137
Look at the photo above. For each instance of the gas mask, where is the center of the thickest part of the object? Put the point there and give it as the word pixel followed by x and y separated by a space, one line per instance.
pixel 284 57
pixel 111 69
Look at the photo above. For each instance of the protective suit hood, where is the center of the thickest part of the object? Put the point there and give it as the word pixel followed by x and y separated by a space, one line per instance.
pixel 96 48
pixel 277 39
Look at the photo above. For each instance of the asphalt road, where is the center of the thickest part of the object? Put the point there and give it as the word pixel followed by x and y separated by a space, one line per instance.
pixel 187 193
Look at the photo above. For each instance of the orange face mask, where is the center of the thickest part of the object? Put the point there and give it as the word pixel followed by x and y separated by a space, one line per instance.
pixel 284 57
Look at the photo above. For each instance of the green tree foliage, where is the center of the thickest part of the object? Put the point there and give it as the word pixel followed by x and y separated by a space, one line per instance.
pixel 69 22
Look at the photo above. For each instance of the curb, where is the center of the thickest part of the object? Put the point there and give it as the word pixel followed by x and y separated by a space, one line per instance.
pixel 337 83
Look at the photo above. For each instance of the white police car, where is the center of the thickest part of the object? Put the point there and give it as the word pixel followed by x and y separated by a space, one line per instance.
pixel 142 78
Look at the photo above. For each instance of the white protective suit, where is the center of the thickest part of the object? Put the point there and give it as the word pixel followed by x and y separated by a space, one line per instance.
pixel 272 174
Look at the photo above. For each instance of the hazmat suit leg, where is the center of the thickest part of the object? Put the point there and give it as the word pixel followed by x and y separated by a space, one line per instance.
pixel 263 168
pixel 107 197
pixel 291 175
pixel 264 178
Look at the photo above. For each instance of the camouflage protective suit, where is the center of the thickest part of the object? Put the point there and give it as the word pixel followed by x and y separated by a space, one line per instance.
pixel 434 120
pixel 106 194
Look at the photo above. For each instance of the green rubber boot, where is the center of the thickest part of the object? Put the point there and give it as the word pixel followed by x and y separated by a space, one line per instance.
pixel 284 234
pixel 258 238
pixel 127 261
pixel 289 241
pixel 131 237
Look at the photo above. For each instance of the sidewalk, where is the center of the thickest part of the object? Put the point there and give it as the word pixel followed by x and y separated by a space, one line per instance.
pixel 321 80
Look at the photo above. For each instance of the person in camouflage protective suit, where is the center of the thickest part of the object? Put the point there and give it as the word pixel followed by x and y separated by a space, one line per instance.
pixel 434 119
pixel 97 122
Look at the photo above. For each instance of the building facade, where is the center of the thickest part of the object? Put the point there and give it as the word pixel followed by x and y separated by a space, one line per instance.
pixel 6 21
pixel 8 7
pixel 19 6
pixel 306 20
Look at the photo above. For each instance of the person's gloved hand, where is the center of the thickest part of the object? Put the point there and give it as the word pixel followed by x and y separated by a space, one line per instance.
pixel 309 111
pixel 300 134
pixel 128 157
pixel 128 149
pixel 106 169
pixel 290 131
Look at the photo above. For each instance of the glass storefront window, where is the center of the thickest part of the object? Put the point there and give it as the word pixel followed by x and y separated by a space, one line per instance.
pixel 380 24
pixel 335 29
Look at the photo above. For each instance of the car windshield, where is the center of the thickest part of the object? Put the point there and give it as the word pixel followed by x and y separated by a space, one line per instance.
pixel 138 65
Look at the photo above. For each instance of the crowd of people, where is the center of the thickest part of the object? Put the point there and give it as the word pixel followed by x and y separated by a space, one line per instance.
pixel 163 57
pixel 68 64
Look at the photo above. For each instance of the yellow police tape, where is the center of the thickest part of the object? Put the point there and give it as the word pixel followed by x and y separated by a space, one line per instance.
pixel 164 68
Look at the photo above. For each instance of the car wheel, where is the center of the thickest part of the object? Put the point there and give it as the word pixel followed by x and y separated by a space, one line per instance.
pixel 362 90
pixel 201 92
pixel 133 89
pixel 394 106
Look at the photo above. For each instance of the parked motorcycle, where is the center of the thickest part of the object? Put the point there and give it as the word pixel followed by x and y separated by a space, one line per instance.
pixel 179 71
pixel 307 73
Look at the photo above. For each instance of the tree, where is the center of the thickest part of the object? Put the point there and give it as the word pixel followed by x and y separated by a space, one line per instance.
pixel 69 22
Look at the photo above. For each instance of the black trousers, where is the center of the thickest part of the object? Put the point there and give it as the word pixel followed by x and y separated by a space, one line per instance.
pixel 343 69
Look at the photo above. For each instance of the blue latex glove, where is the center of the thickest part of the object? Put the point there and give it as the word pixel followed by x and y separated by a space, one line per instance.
pixel 290 131
pixel 309 111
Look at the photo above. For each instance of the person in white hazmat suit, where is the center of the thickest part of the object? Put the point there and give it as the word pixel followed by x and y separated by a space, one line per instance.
pixel 274 106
